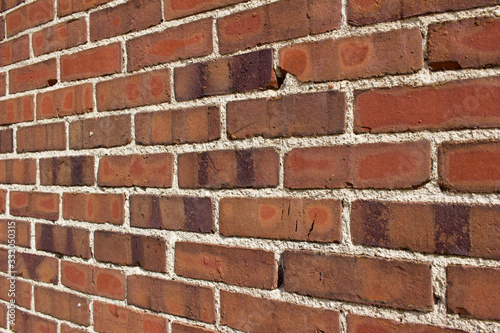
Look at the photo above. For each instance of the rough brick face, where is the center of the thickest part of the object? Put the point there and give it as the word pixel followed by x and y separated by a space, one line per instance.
pixel 60 36
pixel 65 102
pixel 18 171
pixel 29 15
pixel 37 267
pixel 6 143
pixel 63 240
pixel 66 7
pixel 22 291
pixel 41 138
pixel 35 204
pixel 105 132
pixel 180 8
pixel 26 322
pixel 67 171
pixel 17 110
pixel 22 230
pixel 96 208
pixel 39 75
pixel 62 305
pixel 360 324
pixel 14 50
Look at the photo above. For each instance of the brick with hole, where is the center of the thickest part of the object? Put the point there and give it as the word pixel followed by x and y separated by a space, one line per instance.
pixel 22 291
pixel 105 132
pixel 172 297
pixel 172 213
pixel 150 170
pixel 18 171
pixel 285 116
pixel 185 41
pixel 257 168
pixel 136 90
pixel 14 50
pixel 67 241
pixel 473 292
pixel 68 101
pixel 191 125
pixel 470 166
pixel 361 324
pixel 232 265
pixel 37 267
pixel 6 143
pixel 82 65
pixel 27 322
pixel 351 58
pixel 22 231
pixel 184 328
pixel 29 15
pixel 396 284
pixel 450 106
pixel 181 8
pixel 62 305
pixel 67 7
pixel 281 218
pixel 41 138
pixel 130 16
pixel 470 43
pixel 278 21
pixel 94 207
pixel 39 205
pixel 60 36
pixel 93 280
pixel 67 171
pixel 39 75
pixel 17 110
pixel 130 250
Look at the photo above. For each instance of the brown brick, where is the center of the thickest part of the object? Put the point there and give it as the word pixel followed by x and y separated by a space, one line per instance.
pixel 172 213
pixel 6 143
pixel 18 171
pixel 286 116
pixel 22 231
pixel 5 262
pixel 3 196
pixel 252 314
pixel 26 322
pixel 173 297
pixel 136 90
pixel 132 250
pixel 69 241
pixel 182 42
pixel 3 315
pixel 473 292
pixel 67 171
pixel 3 83
pixel 82 65
pixel 93 280
pixel 21 290
pixel 229 169
pixel 60 36
pixel 65 328
pixel 359 324
pixel 183 328
pixel 66 7
pixel 14 50
pixel 282 218
pixel 378 54
pixel 232 265
pixel 39 75
pixel 17 110
pixel 41 138
pixel 281 20
pixel 8 4
pixel 381 282
pixel 62 305
pixel 64 102
pixel 180 8
pixel 35 204
pixel 237 74
pixel 470 167
pixel 104 132
pixel 37 267
pixel 470 43
pixel 29 16
pixel 93 207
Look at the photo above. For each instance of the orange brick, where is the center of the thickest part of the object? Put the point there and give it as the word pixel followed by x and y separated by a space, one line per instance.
pixel 29 16
pixel 17 110
pixel 96 208
pixel 60 36
pixel 65 102
pixel 35 204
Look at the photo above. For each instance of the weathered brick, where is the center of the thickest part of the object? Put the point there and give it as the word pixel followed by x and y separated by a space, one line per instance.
pixel 104 132
pixel 60 36
pixel 69 241
pixel 360 324
pixel 6 143
pixel 191 125
pixel 41 138
pixel 39 75
pixel 151 170
pixel 21 229
pixel 62 305
pixel 64 102
pixel 14 50
pixel 17 110
pixel 35 204
pixel 21 289
pixel 232 265
pixel 29 16
pixel 37 267
pixel 286 116
pixel 251 314
pixel 378 54
pixel 180 8
pixel 67 171
pixel 18 171
pixel 183 328
pixel 93 207
pixel 136 90
pixel 27 322
pixel 66 7
pixel 131 250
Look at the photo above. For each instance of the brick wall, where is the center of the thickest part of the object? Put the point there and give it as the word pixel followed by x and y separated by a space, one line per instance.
pixel 256 166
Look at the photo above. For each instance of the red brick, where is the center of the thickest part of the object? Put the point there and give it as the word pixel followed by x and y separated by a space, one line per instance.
pixel 377 165
pixel 3 83
pixel 285 116
pixel 104 132
pixel 82 65
pixel 130 16
pixel 183 328
pixel 69 241
pixel 111 318
pixel 6 143
pixel 17 110
pixel 381 282
pixel 21 228
pixel 41 138
pixel 62 305
pixel 182 42
pixel 282 218
pixel 66 7
pixel 65 328
pixel 378 54
pixel 18 171
pixel 455 105
pixel 132 250
pixel 173 297
pixel 8 4
pixel 93 207
pixel 35 204
pixel 473 292
pixel 232 265
pixel 93 280
pixel 281 20
pixel 14 50
pixel 237 74
pixel 39 75
pixel 2 28
pixel 470 167
pixel 359 324
pixel 3 196
pixel 191 125
pixel 60 36
pixel 21 290
pixel 470 43
pixel 37 267
pixel 26 322
pixel 252 314
pixel 29 16
pixel 180 8
pixel 256 168
pixel 3 315
pixel 136 90
pixel 67 171
pixel 151 170
pixel 64 102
